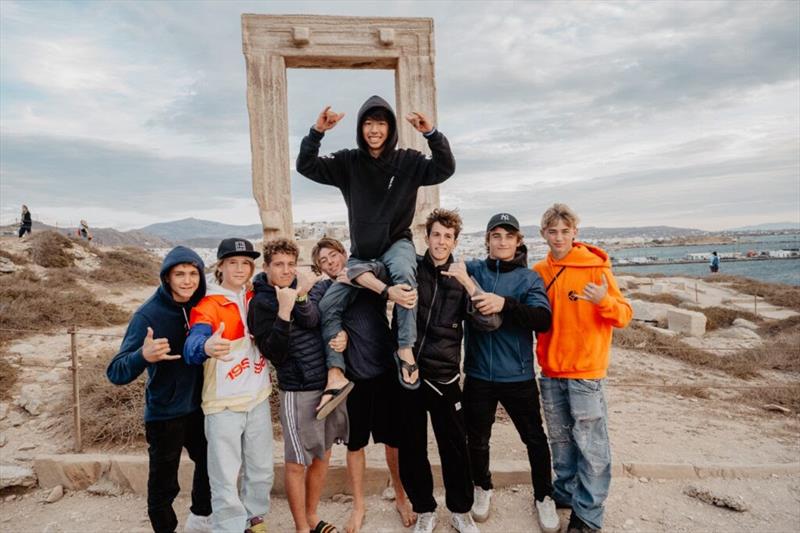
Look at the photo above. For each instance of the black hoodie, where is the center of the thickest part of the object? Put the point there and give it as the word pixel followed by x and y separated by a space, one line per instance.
pixel 380 193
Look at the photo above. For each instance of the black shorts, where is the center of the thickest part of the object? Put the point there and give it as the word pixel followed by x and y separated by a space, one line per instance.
pixel 373 408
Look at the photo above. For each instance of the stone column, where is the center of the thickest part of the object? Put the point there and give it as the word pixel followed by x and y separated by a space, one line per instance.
pixel 269 143
pixel 415 89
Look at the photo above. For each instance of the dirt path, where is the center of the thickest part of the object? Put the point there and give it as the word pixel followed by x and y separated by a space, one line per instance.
pixel 656 506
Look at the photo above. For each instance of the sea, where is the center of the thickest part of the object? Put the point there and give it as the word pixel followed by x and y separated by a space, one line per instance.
pixel 770 270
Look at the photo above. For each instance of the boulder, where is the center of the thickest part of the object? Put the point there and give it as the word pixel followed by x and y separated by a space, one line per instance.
pixel 744 323
pixel 739 333
pixel 56 494
pixel 30 399
pixel 16 476
pixel 650 310
pixel 687 322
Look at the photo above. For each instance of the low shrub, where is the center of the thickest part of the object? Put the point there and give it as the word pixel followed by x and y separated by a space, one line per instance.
pixel 49 249
pixel 662 298
pixel 127 266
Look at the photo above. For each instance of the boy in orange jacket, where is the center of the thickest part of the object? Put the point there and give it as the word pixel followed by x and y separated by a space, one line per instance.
pixel 586 305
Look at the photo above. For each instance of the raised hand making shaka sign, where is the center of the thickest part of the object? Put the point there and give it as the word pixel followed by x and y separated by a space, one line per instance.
pixel 420 122
pixel 155 350
pixel 327 119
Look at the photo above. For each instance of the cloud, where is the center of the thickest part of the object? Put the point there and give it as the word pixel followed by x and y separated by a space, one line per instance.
pixel 619 107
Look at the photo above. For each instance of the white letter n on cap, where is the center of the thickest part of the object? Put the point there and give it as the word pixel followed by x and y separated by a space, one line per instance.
pixel 504 217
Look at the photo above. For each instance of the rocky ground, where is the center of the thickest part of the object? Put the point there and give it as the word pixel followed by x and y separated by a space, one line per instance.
pixel 651 421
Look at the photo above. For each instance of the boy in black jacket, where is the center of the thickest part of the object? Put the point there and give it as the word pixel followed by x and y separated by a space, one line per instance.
pixel 173 419
pixel 379 184
pixel 284 318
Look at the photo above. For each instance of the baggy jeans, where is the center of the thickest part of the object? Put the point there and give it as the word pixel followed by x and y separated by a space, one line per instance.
pixel 577 421
pixel 401 262
pixel 239 441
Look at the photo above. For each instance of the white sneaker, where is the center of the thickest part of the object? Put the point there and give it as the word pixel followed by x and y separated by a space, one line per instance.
pixel 197 524
pixel 548 517
pixel 426 523
pixel 482 504
pixel 462 522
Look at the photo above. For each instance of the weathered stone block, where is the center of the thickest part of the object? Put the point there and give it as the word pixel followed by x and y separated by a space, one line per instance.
pixel 72 471
pixel 16 476
pixel 688 322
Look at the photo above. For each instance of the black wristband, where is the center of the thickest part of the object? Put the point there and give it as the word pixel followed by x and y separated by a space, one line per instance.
pixel 385 292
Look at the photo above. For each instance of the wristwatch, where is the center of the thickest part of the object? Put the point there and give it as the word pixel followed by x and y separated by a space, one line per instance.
pixel 301 299
pixel 385 292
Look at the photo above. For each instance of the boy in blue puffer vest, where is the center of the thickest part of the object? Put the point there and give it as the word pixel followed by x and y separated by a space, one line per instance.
pixel 499 364
pixel 172 416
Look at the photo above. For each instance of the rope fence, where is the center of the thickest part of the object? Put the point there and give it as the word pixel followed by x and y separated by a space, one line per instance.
pixel 75 367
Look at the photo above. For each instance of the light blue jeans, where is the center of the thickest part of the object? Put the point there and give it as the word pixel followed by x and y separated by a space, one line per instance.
pixel 401 262
pixel 239 441
pixel 577 423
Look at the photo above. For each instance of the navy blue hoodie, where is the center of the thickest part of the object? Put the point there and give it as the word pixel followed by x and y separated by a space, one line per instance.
pixel 173 387
pixel 380 193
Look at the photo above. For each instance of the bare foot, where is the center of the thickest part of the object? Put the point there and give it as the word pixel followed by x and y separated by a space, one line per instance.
pixel 407 515
pixel 355 522
pixel 407 355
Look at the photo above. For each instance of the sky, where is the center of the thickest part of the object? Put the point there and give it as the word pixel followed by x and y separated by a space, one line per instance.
pixel 633 113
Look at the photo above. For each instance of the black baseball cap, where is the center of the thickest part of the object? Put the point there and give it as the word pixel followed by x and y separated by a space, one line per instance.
pixel 503 219
pixel 235 246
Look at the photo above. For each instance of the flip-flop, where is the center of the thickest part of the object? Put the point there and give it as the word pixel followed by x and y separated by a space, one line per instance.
pixel 410 368
pixel 324 527
pixel 337 397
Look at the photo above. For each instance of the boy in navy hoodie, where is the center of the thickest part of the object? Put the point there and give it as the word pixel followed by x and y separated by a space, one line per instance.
pixel 172 416
pixel 379 184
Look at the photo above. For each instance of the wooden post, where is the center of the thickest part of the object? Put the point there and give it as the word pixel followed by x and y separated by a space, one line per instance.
pixel 755 304
pixel 76 399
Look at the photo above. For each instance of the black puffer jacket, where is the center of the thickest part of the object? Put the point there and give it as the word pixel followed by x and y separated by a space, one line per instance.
pixel 295 348
pixel 443 306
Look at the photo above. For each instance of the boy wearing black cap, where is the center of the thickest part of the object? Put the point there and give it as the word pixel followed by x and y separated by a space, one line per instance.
pixel 236 385
pixel 379 184
pixel 499 364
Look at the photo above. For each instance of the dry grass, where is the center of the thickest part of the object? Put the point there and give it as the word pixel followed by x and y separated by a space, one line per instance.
pixel 110 414
pixel 8 377
pixel 723 317
pixel 49 249
pixel 786 396
pixel 128 266
pixel 775 293
pixel 662 298
pixel 30 303
pixel 14 258
pixel 691 391
pixel 639 337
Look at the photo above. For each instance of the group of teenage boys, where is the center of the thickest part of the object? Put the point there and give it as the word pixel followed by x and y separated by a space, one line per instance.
pixel 345 373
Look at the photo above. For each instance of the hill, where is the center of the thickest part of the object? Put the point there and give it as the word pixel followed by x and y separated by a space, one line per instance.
pixel 102 236
pixel 194 231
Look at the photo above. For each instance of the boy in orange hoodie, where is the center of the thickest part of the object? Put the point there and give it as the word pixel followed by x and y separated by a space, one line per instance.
pixel 574 355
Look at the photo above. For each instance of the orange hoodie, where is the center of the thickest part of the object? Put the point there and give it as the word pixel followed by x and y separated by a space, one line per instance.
pixel 578 343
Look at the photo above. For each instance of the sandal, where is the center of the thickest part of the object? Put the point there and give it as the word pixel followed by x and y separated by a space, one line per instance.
pixel 324 527
pixel 410 368
pixel 337 397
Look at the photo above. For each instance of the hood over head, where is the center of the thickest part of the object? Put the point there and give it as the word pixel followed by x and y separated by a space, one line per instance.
pixel 177 256
pixel 391 139
pixel 582 255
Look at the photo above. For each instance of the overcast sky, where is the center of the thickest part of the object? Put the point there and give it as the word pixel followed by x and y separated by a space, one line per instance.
pixel 641 113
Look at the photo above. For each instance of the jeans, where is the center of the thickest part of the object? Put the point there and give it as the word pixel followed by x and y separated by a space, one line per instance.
pixel 401 262
pixel 447 419
pixel 239 440
pixel 521 401
pixel 165 440
pixel 577 420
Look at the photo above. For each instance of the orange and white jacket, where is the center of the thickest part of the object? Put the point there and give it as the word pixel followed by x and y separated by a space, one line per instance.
pixel 579 341
pixel 243 382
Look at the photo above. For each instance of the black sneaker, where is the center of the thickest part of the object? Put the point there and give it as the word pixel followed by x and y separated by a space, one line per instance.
pixel 576 525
